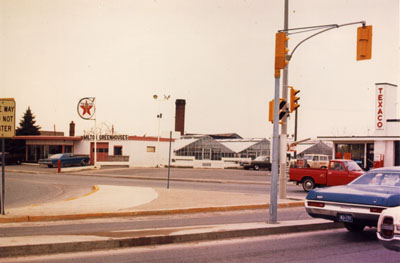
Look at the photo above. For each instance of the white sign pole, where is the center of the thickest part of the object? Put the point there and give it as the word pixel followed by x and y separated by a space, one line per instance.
pixel 87 106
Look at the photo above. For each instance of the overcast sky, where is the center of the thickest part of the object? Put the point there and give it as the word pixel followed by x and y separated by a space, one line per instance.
pixel 217 55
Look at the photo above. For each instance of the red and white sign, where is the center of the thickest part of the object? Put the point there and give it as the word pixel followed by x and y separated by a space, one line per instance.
pixel 86 108
pixel 379 116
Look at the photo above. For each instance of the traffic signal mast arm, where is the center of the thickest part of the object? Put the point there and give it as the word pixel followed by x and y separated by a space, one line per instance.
pixel 365 41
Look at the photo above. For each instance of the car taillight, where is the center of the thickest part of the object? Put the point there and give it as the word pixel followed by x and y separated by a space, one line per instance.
pixel 316 204
pixel 387 228
pixel 376 210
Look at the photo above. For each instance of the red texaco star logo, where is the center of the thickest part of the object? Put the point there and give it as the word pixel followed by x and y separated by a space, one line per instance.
pixel 86 108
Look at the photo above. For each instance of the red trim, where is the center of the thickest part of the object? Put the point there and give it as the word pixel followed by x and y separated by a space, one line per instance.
pixel 79 138
pixel 38 137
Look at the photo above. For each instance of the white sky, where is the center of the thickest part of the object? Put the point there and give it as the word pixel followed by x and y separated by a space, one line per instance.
pixel 217 55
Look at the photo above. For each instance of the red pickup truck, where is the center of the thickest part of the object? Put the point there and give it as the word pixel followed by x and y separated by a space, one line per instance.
pixel 339 172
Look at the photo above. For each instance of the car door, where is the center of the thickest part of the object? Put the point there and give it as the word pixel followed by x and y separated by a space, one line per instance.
pixel 337 174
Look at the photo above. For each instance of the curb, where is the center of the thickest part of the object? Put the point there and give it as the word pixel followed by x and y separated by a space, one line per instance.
pixel 21 219
pixel 174 235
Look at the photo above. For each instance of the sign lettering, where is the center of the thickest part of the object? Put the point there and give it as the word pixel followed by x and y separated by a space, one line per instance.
pixel 379 109
pixel 107 137
pixel 7 118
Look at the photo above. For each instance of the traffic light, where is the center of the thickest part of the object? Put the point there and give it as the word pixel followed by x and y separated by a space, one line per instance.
pixel 293 99
pixel 283 111
pixel 364 42
pixel 281 50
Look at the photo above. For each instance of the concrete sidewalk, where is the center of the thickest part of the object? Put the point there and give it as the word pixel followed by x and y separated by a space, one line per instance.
pixel 37 245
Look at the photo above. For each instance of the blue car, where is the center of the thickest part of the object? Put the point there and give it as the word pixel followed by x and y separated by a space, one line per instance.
pixel 65 159
pixel 359 203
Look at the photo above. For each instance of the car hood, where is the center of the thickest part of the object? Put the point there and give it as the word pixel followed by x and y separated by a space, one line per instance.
pixel 359 194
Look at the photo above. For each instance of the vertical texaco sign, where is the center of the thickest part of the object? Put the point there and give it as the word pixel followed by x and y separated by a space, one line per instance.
pixel 7 118
pixel 379 116
pixel 86 108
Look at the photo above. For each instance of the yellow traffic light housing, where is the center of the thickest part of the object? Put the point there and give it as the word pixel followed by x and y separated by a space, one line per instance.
pixel 271 111
pixel 293 99
pixel 281 50
pixel 283 111
pixel 364 42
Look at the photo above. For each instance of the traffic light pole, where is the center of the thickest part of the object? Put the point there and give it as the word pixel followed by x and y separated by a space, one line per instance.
pixel 364 44
pixel 273 207
pixel 283 139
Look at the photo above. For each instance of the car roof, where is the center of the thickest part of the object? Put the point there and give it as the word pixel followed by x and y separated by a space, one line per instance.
pixel 388 169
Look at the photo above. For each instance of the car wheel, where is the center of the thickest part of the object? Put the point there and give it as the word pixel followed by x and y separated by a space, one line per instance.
pixel 83 163
pixel 355 228
pixel 256 167
pixel 308 184
pixel 50 166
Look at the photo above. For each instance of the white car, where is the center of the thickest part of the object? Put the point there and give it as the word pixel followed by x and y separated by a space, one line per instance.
pixel 389 228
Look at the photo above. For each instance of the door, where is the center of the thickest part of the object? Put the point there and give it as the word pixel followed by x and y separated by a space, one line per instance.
pixel 337 174
pixel 102 152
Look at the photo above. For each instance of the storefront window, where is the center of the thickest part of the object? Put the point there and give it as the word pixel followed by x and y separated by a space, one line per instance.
pixel 117 150
pixel 355 152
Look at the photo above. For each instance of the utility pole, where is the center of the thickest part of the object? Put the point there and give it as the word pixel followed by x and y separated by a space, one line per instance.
pixel 283 137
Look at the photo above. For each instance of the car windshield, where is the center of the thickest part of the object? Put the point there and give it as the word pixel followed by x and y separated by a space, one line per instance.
pixel 379 179
pixel 261 158
pixel 308 157
pixel 56 156
pixel 352 166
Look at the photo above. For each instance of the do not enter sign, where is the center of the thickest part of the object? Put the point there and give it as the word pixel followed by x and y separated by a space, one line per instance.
pixel 7 118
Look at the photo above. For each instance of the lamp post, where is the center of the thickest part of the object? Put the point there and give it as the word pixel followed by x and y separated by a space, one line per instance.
pixel 159 116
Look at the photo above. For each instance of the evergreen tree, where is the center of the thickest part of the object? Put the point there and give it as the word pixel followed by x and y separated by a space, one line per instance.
pixel 27 124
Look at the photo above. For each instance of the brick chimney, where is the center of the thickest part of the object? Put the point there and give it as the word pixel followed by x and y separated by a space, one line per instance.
pixel 72 129
pixel 180 116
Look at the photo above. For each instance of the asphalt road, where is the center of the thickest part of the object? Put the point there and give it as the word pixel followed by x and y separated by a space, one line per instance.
pixel 24 189
pixel 330 246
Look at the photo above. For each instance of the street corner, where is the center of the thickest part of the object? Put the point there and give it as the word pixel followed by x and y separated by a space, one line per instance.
pixel 101 200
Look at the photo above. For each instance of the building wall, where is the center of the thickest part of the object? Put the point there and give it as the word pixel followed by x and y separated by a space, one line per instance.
pixel 139 150
pixel 385 149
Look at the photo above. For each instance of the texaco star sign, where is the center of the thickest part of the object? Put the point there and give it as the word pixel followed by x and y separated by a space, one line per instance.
pixel 86 108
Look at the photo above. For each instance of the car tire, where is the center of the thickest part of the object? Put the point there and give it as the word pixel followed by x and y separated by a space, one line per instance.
pixel 354 228
pixel 83 163
pixel 308 184
pixel 256 167
pixel 50 166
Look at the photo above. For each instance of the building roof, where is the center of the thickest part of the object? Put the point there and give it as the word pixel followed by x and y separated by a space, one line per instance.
pixel 319 148
pixel 239 145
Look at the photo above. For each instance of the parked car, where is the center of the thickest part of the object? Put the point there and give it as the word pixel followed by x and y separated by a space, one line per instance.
pixel 340 172
pixel 261 162
pixel 12 158
pixel 389 229
pixel 359 203
pixel 316 160
pixel 66 159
